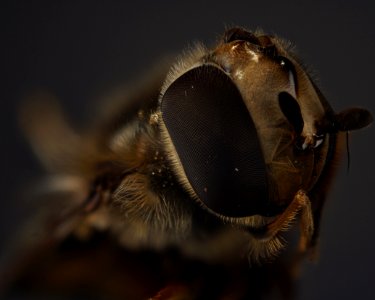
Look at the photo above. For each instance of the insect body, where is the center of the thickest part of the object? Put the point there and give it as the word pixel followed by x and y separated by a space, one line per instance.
pixel 218 161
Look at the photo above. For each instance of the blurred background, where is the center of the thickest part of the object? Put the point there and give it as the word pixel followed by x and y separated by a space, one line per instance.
pixel 80 50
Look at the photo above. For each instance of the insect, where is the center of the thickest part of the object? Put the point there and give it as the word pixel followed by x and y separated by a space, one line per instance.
pixel 232 149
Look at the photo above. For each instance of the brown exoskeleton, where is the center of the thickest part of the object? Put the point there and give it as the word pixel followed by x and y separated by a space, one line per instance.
pixel 218 161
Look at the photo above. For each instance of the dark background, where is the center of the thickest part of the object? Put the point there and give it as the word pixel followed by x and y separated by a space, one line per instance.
pixel 81 49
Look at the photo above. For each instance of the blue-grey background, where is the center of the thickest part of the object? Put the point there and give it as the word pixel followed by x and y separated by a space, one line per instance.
pixel 81 49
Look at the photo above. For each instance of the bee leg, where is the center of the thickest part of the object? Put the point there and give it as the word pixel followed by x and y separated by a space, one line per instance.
pixel 300 204
pixel 306 226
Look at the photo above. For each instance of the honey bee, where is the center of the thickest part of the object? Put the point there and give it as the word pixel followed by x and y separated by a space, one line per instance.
pixel 234 148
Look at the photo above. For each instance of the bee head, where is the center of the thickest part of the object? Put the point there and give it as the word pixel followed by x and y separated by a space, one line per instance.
pixel 246 127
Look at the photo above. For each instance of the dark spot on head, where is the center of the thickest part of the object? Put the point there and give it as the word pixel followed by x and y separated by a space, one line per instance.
pixel 292 111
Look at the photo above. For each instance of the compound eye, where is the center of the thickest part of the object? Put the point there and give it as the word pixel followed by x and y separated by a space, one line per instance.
pixel 216 142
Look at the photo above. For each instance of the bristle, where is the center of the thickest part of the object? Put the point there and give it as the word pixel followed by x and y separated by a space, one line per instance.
pixel 156 220
pixel 188 60
pixel 260 251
